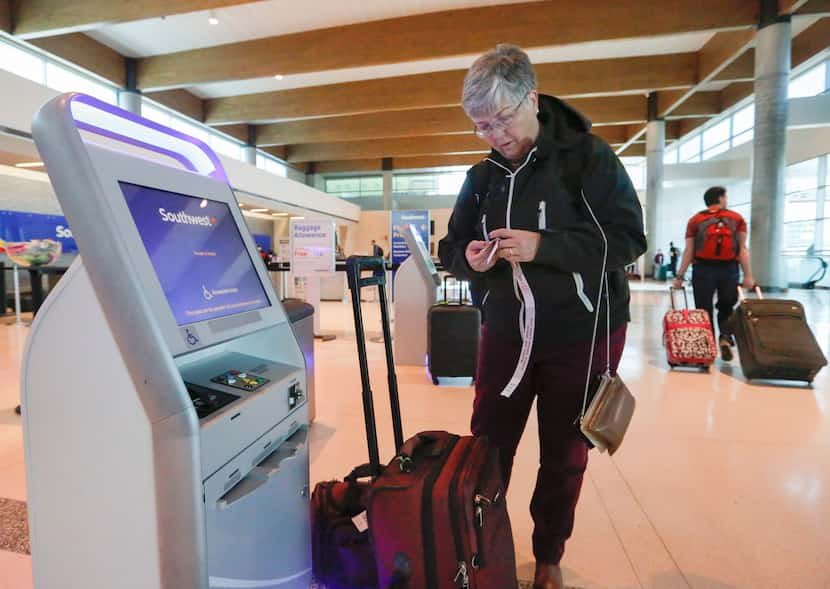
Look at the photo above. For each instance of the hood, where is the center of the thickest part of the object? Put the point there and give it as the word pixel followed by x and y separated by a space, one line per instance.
pixel 562 127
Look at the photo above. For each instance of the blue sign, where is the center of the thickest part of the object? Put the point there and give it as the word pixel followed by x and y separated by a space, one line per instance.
pixel 419 220
pixel 17 226
pixel 262 240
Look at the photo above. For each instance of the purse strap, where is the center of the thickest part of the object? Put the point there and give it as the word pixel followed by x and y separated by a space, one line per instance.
pixel 603 285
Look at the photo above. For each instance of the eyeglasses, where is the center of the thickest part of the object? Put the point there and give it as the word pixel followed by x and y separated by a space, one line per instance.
pixel 501 122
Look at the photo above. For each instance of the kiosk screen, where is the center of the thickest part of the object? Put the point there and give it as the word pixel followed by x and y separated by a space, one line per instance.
pixel 197 252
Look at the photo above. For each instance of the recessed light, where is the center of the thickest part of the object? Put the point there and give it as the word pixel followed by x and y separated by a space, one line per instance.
pixel 279 214
pixel 212 19
pixel 279 77
pixel 259 210
pixel 29 165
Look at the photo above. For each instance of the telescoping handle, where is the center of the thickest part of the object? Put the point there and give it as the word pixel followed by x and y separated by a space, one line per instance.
pixel 685 296
pixel 742 293
pixel 355 266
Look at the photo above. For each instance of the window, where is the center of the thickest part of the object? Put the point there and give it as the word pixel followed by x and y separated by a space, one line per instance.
pixel 670 155
pixel 716 134
pixel 690 150
pixel 63 79
pixel 636 168
pixel 21 63
pixel 744 137
pixel 802 176
pixel 355 186
pixel 717 150
pixel 743 120
pixel 811 83
pixel 275 167
pixel 197 131
pixel 431 184
pixel 225 146
pixel 155 114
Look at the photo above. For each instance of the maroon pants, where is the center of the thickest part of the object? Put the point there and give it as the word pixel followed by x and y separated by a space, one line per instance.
pixel 556 378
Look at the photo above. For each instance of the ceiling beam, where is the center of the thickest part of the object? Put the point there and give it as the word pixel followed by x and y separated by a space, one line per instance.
pixel 634 150
pixel 813 7
pixel 239 132
pixel 40 18
pixel 603 76
pixel 181 101
pixel 412 146
pixel 808 43
pixel 87 53
pixel 280 151
pixel 5 16
pixel 435 35
pixel 734 93
pixel 429 121
pixel 699 104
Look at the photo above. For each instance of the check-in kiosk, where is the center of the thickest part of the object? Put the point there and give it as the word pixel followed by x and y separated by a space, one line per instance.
pixel 416 290
pixel 165 418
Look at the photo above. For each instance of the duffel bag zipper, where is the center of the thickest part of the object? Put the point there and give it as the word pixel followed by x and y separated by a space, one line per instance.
pixel 480 501
pixel 456 520
pixel 427 523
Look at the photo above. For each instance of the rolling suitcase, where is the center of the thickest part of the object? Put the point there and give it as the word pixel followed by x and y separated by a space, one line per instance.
pixel 775 341
pixel 453 331
pixel 688 336
pixel 436 513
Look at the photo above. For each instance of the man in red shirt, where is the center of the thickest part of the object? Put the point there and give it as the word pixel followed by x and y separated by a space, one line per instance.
pixel 716 245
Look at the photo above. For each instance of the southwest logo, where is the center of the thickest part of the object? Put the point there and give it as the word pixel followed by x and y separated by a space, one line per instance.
pixel 183 218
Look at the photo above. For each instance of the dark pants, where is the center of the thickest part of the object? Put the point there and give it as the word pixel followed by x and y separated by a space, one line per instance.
pixel 709 278
pixel 556 379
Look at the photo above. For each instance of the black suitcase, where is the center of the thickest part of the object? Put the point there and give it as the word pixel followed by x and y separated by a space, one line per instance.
pixel 775 341
pixel 452 339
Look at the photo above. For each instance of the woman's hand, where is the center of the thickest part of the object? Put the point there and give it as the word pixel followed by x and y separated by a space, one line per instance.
pixel 478 255
pixel 516 245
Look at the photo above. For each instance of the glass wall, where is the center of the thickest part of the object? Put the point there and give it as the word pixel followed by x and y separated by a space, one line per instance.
pixel 26 62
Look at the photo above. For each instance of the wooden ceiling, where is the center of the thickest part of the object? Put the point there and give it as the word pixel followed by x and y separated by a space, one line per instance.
pixel 416 119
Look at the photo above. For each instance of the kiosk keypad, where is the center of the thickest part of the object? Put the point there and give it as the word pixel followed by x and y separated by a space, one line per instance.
pixel 240 380
pixel 206 400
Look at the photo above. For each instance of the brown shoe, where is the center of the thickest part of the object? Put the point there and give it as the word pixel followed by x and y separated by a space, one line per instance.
pixel 548 576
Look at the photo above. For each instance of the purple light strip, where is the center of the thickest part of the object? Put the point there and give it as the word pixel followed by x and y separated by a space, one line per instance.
pixel 218 171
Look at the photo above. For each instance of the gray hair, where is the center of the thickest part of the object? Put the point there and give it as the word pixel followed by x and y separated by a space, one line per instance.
pixel 502 75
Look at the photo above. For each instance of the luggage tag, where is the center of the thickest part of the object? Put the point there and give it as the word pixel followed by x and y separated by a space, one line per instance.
pixel 361 522
pixel 494 246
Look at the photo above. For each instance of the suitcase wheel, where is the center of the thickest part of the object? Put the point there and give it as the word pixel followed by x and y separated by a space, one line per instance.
pixel 435 380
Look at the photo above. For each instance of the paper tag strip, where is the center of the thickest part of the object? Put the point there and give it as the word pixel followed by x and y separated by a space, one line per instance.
pixel 361 522
pixel 527 327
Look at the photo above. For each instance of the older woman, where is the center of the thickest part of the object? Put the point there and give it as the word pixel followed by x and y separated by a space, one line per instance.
pixel 538 221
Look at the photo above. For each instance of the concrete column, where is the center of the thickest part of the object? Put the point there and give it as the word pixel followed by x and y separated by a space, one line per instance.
pixel 772 75
pixel 249 154
pixel 388 186
pixel 130 100
pixel 655 150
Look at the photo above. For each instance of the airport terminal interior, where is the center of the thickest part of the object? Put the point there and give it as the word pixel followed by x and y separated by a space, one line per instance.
pixel 187 188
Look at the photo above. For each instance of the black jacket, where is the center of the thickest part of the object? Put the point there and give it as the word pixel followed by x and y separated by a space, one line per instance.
pixel 565 275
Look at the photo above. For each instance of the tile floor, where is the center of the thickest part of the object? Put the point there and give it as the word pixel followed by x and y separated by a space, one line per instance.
pixel 721 484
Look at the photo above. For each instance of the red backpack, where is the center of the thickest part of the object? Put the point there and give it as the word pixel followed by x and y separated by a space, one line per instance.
pixel 716 238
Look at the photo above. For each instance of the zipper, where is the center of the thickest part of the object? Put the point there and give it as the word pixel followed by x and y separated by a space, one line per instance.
pixel 512 175
pixel 484 300
pixel 455 523
pixel 484 227
pixel 580 292
pixel 427 522
pixel 480 501
pixel 543 219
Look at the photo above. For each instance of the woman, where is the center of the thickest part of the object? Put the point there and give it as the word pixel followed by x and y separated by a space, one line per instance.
pixel 532 222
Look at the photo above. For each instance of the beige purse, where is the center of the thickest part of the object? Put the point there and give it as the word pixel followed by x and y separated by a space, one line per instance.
pixel 605 420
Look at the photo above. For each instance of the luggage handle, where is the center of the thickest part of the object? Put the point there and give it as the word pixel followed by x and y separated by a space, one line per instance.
pixel 742 293
pixel 685 296
pixel 413 446
pixel 460 289
pixel 355 265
